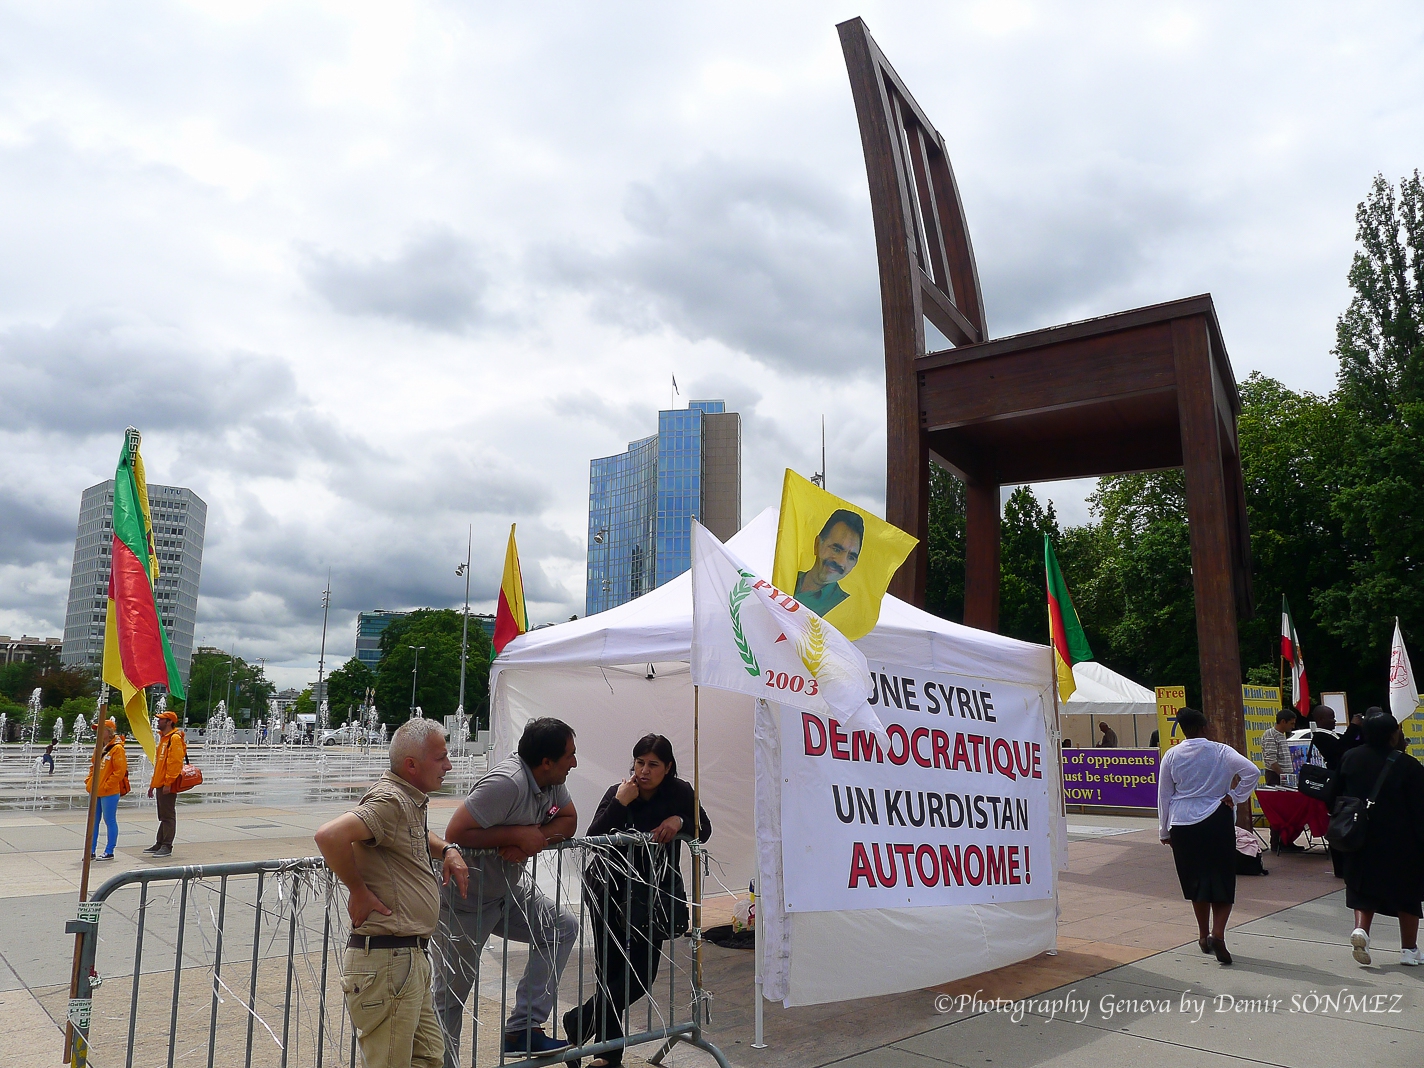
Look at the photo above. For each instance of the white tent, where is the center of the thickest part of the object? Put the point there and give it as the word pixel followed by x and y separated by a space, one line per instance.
pixel 1103 692
pixel 624 672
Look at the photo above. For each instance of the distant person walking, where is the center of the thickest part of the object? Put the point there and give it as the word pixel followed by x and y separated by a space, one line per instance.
pixel 1386 875
pixel 382 850
pixel 48 757
pixel 168 763
pixel 113 783
pixel 1199 785
pixel 1109 740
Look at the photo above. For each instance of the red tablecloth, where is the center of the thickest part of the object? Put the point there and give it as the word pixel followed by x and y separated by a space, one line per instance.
pixel 1289 812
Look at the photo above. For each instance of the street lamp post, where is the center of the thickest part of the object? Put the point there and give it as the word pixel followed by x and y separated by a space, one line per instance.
pixel 414 674
pixel 464 569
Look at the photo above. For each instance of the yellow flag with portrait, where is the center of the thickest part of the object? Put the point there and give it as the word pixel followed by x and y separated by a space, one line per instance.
pixel 835 558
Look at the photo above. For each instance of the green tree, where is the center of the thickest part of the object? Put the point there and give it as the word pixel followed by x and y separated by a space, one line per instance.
pixel 214 677
pixel 346 688
pixel 944 591
pixel 306 703
pixel 1023 595
pixel 1380 391
pixel 438 680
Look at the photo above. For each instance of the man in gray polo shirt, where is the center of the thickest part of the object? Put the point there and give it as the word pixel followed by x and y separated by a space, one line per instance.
pixel 519 807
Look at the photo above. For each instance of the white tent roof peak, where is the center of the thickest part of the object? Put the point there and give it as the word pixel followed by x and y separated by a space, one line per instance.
pixel 1102 691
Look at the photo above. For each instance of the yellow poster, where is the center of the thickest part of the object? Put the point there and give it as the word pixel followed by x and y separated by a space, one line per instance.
pixel 1414 732
pixel 1260 704
pixel 835 558
pixel 1170 701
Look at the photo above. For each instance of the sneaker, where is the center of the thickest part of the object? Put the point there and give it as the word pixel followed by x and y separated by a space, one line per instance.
pixel 103 856
pixel 1411 958
pixel 163 851
pixel 533 1043
pixel 151 849
pixel 1360 939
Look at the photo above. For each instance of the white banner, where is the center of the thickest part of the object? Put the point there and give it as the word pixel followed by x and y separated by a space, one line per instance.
pixel 952 810
pixel 749 637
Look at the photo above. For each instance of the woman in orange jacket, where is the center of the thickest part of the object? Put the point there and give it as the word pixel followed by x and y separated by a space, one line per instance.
pixel 168 763
pixel 113 783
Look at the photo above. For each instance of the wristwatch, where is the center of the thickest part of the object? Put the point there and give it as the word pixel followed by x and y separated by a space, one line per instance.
pixel 448 846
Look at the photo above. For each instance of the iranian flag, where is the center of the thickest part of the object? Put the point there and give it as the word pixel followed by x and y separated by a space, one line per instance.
pixel 1065 633
pixel 136 649
pixel 511 619
pixel 1291 656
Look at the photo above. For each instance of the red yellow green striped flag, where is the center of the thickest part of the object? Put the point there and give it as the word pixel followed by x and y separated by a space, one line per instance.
pixel 1065 633
pixel 510 617
pixel 136 649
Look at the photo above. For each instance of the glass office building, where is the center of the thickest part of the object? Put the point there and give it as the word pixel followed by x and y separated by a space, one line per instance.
pixel 369 628
pixel 180 519
pixel 641 503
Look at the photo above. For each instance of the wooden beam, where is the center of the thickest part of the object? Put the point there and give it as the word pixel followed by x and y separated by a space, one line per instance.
pixel 948 319
pixel 981 555
pixel 1209 520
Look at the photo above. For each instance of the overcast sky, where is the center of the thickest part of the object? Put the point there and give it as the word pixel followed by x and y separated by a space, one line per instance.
pixel 364 278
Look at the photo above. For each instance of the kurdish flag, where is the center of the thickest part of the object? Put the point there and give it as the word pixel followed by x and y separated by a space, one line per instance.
pixel 510 618
pixel 136 649
pixel 1065 633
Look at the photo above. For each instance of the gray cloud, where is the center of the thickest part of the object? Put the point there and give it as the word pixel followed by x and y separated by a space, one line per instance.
pixel 436 282
pixel 768 260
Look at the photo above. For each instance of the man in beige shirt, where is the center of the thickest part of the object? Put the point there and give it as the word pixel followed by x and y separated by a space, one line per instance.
pixel 381 850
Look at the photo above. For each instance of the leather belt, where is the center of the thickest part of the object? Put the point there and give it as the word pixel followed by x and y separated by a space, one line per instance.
pixel 370 942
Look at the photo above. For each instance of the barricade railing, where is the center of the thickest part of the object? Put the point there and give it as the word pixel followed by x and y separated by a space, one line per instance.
pixel 249 960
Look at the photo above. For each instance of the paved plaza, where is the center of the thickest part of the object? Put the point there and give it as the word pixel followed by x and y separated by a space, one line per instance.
pixel 1127 984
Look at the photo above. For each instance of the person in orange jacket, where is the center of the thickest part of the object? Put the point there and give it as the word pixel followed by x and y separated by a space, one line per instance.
pixel 168 764
pixel 113 783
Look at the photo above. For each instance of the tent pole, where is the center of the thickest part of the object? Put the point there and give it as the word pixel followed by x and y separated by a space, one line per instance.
pixel 758 1042
pixel 697 856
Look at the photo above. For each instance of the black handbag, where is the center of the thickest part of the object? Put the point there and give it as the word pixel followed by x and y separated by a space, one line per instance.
pixel 1352 814
pixel 1314 781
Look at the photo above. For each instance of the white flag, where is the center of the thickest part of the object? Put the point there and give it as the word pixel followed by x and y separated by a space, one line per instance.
pixel 1403 693
pixel 752 638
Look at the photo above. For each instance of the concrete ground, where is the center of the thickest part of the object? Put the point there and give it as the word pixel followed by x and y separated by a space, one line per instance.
pixel 1126 969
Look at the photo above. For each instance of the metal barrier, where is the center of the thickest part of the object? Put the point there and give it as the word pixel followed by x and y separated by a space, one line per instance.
pixel 263 966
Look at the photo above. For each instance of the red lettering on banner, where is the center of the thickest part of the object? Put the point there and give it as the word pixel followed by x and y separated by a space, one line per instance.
pixel 860 867
pixel 1024 763
pixel 885 880
pixel 976 741
pixel 919 735
pixel 1014 879
pixel 864 745
pixel 961 753
pixel 974 878
pixel 838 742
pixel 939 741
pixel 1037 761
pixel 807 722
pixel 995 868
pixel 950 862
pixel 893 731
pixel 930 877
pixel 1004 758
pixel 903 852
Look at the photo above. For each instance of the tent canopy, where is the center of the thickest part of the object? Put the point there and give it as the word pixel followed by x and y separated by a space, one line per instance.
pixel 622 673
pixel 1103 692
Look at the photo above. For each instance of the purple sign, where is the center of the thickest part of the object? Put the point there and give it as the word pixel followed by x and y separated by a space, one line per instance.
pixel 1123 777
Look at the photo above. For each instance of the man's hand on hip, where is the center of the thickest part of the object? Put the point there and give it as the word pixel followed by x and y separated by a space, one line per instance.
pixel 362 903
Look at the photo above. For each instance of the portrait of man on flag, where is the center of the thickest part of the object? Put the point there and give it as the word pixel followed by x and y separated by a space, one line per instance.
pixel 835 558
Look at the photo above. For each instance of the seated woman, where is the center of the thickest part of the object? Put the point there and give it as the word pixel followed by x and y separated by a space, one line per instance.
pixel 630 925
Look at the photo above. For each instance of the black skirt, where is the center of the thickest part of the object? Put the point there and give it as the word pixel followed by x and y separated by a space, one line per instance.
pixel 1205 853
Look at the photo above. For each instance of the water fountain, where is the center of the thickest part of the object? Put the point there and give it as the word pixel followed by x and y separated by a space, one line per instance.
pixel 58 730
pixel 32 729
pixel 323 720
pixel 4 728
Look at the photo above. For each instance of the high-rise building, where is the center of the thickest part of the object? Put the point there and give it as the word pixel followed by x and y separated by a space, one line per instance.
pixel 180 519
pixel 641 503
pixel 369 628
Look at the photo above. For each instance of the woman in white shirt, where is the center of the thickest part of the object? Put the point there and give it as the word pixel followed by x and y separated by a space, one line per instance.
pixel 1199 785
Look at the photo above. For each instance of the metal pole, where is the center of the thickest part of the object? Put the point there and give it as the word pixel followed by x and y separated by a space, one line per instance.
pixel 88 838
pixel 321 661
pixel 758 1042
pixel 696 862
pixel 465 630
pixel 414 674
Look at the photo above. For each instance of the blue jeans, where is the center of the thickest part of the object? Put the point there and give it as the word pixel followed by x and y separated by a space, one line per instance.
pixel 109 813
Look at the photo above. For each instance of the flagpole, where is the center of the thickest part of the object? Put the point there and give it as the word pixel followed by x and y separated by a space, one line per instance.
pixel 696 853
pixel 88 838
